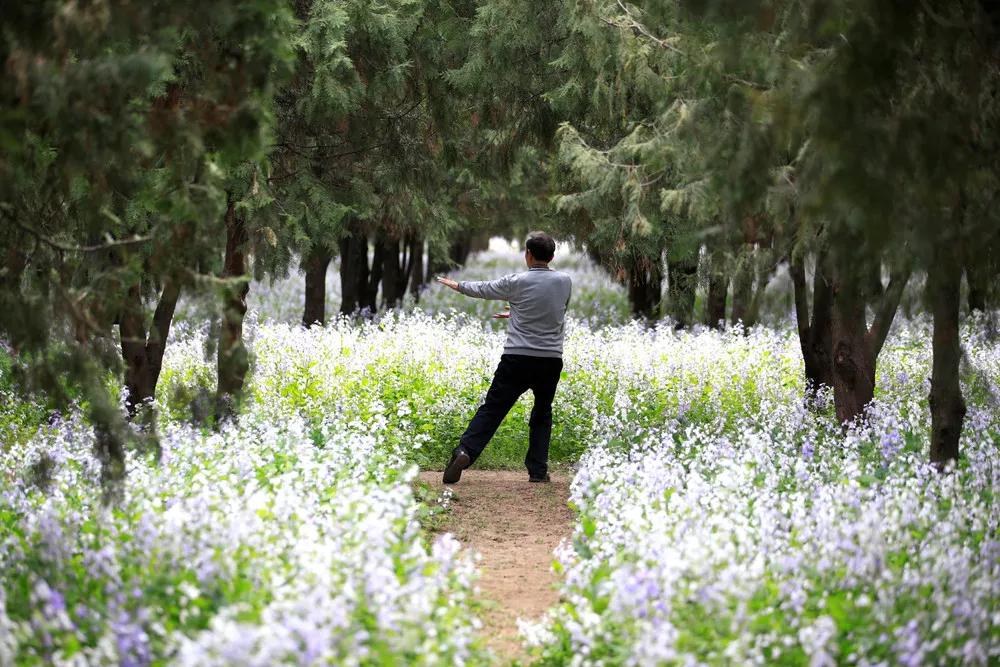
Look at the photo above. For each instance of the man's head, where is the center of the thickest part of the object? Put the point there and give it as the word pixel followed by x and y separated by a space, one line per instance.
pixel 539 248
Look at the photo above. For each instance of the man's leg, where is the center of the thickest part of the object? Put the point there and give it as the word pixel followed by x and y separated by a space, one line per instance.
pixel 540 424
pixel 507 386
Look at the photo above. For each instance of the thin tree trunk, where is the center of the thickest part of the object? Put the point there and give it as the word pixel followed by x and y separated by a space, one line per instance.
pixel 458 253
pixel 143 356
pixel 416 268
pixel 978 281
pixel 944 280
pixel 645 283
pixel 718 290
pixel 353 272
pixel 682 280
pixel 392 295
pixel 233 361
pixel 316 267
pixel 370 303
pixel 815 333
pixel 138 385
pixel 742 286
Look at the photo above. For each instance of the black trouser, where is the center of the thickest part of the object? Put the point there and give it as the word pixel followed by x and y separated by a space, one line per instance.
pixel 516 374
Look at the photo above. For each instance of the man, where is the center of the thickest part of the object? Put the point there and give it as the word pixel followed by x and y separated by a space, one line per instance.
pixel 532 356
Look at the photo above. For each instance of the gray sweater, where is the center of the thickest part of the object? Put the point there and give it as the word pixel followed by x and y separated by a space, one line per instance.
pixel 538 299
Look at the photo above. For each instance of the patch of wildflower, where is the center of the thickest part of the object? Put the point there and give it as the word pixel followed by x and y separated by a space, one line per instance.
pixel 254 546
pixel 777 538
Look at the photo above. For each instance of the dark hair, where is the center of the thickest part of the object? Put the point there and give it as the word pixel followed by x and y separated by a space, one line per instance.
pixel 541 246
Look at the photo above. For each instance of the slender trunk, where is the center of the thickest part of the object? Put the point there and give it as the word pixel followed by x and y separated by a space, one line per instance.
pixel 353 272
pixel 853 358
pixel 370 302
pixel 742 286
pixel 138 385
pixel 416 268
pixel 978 280
pixel 233 361
pixel 458 253
pixel 763 269
pixel 682 280
pixel 143 356
pixel 392 295
pixel 718 290
pixel 944 279
pixel 645 283
pixel 316 265
pixel 815 333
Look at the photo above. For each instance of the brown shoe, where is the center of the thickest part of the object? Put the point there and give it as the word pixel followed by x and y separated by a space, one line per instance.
pixel 533 479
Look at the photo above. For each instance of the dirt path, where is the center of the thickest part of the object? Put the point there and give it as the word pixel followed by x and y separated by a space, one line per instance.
pixel 515 526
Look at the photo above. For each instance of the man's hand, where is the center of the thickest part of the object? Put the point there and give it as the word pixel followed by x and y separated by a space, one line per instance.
pixel 448 283
pixel 504 315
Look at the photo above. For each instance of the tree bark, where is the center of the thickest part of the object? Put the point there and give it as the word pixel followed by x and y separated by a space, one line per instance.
pixel 855 347
pixel 978 281
pixel 853 361
pixel 718 290
pixel 416 268
pixel 682 280
pixel 370 302
pixel 143 356
pixel 742 286
pixel 460 248
pixel 233 360
pixel 944 279
pixel 353 271
pixel 316 266
pixel 815 333
pixel 392 274
pixel 645 283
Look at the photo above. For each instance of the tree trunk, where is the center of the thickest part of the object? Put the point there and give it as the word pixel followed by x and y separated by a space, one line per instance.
pixel 370 302
pixel 682 280
pixel 718 290
pixel 742 286
pixel 853 358
pixel 645 283
pixel 233 362
pixel 316 266
pixel 944 279
pixel 138 374
pixel 143 356
pixel 416 268
pixel 815 334
pixel 458 253
pixel 353 272
pixel 392 274
pixel 978 281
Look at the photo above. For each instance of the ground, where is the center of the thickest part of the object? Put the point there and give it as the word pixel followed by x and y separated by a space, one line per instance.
pixel 515 526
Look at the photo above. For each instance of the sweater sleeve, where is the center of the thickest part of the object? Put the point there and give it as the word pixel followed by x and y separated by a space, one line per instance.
pixel 501 289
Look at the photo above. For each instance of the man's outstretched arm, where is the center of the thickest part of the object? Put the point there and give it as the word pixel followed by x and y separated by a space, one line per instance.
pixel 501 289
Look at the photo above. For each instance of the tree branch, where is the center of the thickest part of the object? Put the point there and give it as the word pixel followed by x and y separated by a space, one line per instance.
pixel 886 309
pixel 90 248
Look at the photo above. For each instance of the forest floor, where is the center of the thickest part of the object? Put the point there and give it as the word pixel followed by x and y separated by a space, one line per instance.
pixel 515 526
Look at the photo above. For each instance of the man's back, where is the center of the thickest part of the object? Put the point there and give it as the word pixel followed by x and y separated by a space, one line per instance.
pixel 538 300
pixel 538 313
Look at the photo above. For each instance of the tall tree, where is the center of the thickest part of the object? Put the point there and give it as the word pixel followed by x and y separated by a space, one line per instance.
pixel 115 118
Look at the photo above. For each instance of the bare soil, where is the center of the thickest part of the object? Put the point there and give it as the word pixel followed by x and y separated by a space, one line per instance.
pixel 515 526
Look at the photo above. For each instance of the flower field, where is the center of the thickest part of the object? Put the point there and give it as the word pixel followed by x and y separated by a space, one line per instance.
pixel 720 518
